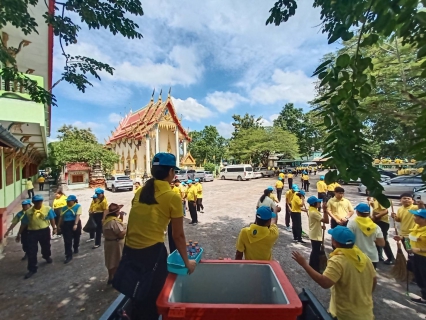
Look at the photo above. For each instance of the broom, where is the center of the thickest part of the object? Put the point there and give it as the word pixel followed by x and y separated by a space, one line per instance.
pixel 304 234
pixel 322 255
pixel 399 270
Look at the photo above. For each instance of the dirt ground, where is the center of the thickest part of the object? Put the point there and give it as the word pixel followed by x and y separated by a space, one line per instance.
pixel 78 290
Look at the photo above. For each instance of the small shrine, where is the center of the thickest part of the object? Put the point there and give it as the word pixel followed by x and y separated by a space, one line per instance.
pixel 77 175
pixel 188 161
pixel 97 177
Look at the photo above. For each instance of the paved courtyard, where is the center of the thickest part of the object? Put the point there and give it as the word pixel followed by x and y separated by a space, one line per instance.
pixel 78 290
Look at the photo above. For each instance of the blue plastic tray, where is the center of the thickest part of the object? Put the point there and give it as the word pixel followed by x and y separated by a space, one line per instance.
pixel 176 265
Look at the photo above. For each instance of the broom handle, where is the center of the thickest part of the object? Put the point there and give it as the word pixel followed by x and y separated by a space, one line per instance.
pixel 394 222
pixel 323 233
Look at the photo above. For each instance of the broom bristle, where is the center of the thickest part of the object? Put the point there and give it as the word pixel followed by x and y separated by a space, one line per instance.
pixel 322 259
pixel 399 270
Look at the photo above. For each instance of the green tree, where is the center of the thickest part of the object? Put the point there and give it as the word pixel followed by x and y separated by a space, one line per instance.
pixel 109 14
pixel 255 145
pixel 78 145
pixel 346 81
pixel 207 145
pixel 245 122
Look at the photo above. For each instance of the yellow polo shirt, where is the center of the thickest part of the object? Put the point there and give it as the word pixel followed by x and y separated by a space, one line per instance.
pixel 136 189
pixel 290 176
pixel 256 242
pixel 147 223
pixel 407 221
pixel 183 190
pixel 273 197
pixel 333 186
pixel 321 186
pixel 418 239
pixel 100 206
pixel 176 190
pixel 305 177
pixel 38 219
pixel 378 207
pixel 29 185
pixel 281 175
pixel 191 193
pixel 289 196
pixel 199 187
pixel 315 230
pixel 339 208
pixel 296 204
pixel 356 303
pixel 279 184
pixel 41 180
pixel 60 203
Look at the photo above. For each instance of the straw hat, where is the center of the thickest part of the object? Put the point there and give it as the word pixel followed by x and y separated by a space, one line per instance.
pixel 114 208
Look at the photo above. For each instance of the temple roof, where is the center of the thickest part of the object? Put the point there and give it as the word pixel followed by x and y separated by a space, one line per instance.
pixel 137 124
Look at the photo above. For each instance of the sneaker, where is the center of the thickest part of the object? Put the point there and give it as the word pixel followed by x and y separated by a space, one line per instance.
pixel 29 274
pixel 301 241
pixel 67 260
pixel 202 211
pixel 90 240
pixel 419 301
pixel 381 259
pixel 195 223
pixel 191 222
pixel 295 240
pixel 49 260
pixel 96 246
pixel 389 262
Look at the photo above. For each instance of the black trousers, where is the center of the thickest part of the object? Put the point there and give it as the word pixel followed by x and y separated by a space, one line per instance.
pixel 419 263
pixel 147 308
pixel 290 183
pixel 41 186
pixel 330 194
pixel 315 253
pixel 35 237
pixel 287 216
pixel 30 193
pixel 57 215
pixel 97 233
pixel 193 211
pixel 24 241
pixel 279 193
pixel 172 245
pixel 322 195
pixel 200 204
pixel 296 218
pixel 306 185
pixel 334 224
pixel 71 237
pixel 387 249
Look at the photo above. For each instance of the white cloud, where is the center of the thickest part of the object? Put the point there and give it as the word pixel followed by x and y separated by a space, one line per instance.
pixel 224 101
pixel 114 117
pixel 191 110
pixel 269 121
pixel 88 124
pixel 225 129
pixel 284 86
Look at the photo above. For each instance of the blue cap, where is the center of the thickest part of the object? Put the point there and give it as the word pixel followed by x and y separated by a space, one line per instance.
pixel 312 200
pixel 37 198
pixel 99 191
pixel 95 196
pixel 280 178
pixel 322 178
pixel 362 207
pixel 264 213
pixel 295 187
pixel 165 159
pixel 270 188
pixel 197 180
pixel 342 235
pixel 420 212
pixel 302 192
pixel 72 197
pixel 189 181
pixel 183 183
pixel 27 201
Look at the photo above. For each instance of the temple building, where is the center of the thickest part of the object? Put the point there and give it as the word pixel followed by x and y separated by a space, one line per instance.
pixel 143 133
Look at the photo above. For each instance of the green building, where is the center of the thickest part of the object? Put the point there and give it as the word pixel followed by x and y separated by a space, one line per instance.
pixel 24 124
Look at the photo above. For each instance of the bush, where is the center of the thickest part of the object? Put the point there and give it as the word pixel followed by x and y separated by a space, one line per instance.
pixel 210 167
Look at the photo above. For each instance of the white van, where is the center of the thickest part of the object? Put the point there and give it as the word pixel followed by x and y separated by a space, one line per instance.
pixel 237 172
pixel 309 164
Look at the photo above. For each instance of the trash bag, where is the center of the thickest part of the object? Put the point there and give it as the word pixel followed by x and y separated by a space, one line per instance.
pixel 90 225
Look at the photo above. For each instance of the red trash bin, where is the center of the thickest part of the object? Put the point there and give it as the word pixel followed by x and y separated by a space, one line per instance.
pixel 230 289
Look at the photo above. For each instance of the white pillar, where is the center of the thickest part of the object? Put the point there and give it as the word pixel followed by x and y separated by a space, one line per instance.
pixel 184 147
pixel 147 155
pixel 157 143
pixel 177 147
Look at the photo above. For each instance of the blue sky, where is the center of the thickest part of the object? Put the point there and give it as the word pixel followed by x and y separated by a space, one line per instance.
pixel 218 56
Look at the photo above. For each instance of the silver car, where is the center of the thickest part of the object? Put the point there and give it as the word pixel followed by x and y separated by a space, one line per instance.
pixel 396 186
pixel 208 176
pixel 420 193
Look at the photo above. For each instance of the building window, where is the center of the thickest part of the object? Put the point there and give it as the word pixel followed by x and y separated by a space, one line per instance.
pixel 77 178
pixel 18 173
pixel 9 175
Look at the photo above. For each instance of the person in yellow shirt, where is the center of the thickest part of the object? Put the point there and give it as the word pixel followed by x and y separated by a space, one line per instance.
pixel 297 206
pixel 339 208
pixel 381 217
pixel 199 187
pixel 281 175
pixel 350 274
pixel 322 189
pixel 279 185
pixel 290 180
pixel 305 181
pixel 59 202
pixel 316 231
pixel 403 215
pixel 37 220
pixel 137 187
pixel 288 198
pixel 176 186
pixel 417 247
pixel 98 210
pixel 40 181
pixel 330 189
pixel 191 195
pixel 256 241
pixel 183 192
pixel 30 188
pixel 70 225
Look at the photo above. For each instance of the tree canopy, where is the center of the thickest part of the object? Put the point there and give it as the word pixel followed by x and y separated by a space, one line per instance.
pixel 346 80
pixel 245 122
pixel 79 145
pixel 109 14
pixel 207 145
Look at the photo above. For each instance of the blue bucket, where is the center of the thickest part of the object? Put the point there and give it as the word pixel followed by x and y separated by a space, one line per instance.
pixel 176 265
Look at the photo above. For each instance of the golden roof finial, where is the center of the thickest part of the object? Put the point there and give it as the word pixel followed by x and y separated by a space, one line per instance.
pixel 170 92
pixel 152 96
pixel 161 92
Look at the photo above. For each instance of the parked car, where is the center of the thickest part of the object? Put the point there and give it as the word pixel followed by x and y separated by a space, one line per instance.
pixel 208 176
pixel 181 175
pixel 200 175
pixel 383 178
pixel 118 182
pixel 420 193
pixel 265 172
pixel 396 186
pixel 237 172
pixel 390 174
pixel 257 175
